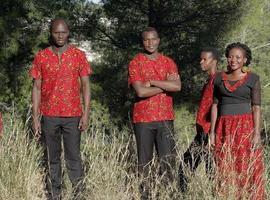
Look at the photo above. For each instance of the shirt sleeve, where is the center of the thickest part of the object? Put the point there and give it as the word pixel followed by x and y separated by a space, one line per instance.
pixel 134 73
pixel 256 93
pixel 172 68
pixel 85 67
pixel 35 70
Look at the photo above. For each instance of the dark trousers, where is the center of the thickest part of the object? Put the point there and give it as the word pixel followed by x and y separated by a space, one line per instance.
pixel 159 135
pixel 53 130
pixel 194 155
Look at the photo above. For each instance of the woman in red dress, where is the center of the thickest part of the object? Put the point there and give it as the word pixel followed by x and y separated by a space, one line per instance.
pixel 235 128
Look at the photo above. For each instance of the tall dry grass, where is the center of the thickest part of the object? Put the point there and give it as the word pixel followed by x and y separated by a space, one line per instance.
pixel 20 171
pixel 109 157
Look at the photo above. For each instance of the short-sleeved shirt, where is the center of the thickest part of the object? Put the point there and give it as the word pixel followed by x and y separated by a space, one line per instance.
pixel 158 107
pixel 204 112
pixel 60 83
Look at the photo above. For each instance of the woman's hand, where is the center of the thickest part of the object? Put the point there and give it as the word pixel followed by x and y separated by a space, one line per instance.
pixel 211 141
pixel 256 141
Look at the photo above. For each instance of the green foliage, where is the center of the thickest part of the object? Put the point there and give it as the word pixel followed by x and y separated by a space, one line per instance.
pixel 253 28
pixel 113 28
pixel 184 28
pixel 24 31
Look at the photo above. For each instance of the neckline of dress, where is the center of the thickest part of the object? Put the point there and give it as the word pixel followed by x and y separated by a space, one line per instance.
pixel 237 83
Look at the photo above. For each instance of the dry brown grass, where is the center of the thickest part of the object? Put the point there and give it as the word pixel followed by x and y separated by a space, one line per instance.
pixel 110 162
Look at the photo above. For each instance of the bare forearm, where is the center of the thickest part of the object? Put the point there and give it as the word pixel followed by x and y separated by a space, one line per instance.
pixel 213 118
pixel 86 99
pixel 86 94
pixel 145 92
pixel 167 85
pixel 256 111
pixel 36 98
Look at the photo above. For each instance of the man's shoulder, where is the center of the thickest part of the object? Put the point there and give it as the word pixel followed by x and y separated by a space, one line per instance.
pixel 76 50
pixel 166 59
pixel 43 52
pixel 139 57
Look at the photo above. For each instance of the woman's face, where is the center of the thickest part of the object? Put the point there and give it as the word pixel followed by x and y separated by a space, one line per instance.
pixel 236 59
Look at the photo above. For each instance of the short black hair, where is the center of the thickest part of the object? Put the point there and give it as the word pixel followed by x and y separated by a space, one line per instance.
pixel 149 29
pixel 57 19
pixel 213 51
pixel 242 46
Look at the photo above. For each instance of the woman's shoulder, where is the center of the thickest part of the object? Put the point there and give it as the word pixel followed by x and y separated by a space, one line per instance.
pixel 254 76
pixel 253 79
pixel 218 77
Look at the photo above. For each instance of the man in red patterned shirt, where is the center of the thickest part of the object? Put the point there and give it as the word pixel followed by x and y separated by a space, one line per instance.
pixel 197 150
pixel 59 73
pixel 154 77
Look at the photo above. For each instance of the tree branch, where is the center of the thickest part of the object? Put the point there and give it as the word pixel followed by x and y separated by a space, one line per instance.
pixel 261 46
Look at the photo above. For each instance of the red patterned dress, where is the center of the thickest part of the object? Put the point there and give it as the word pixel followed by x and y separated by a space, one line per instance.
pixel 239 166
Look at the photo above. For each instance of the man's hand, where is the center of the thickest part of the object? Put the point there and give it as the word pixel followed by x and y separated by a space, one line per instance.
pixel 36 127
pixel 147 84
pixel 83 124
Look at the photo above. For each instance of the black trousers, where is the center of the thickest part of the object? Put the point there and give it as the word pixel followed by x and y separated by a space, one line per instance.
pixel 194 155
pixel 53 130
pixel 161 136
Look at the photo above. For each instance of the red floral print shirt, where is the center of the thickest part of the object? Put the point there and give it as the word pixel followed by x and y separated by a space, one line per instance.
pixel 158 107
pixel 60 86
pixel 204 112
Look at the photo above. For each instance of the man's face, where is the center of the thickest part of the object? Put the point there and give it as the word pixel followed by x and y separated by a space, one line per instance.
pixel 207 61
pixel 59 33
pixel 150 41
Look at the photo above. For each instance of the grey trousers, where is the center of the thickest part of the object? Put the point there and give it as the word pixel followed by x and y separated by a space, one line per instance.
pixel 54 130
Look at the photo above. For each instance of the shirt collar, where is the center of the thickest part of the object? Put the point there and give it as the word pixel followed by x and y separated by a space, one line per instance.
pixel 60 50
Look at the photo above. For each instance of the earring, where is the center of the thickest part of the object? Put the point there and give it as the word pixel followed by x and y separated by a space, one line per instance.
pixel 245 69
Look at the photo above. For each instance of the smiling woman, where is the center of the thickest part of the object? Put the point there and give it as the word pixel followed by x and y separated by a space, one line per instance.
pixel 235 127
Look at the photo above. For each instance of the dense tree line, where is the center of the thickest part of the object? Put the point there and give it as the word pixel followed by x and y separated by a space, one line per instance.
pixel 113 27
